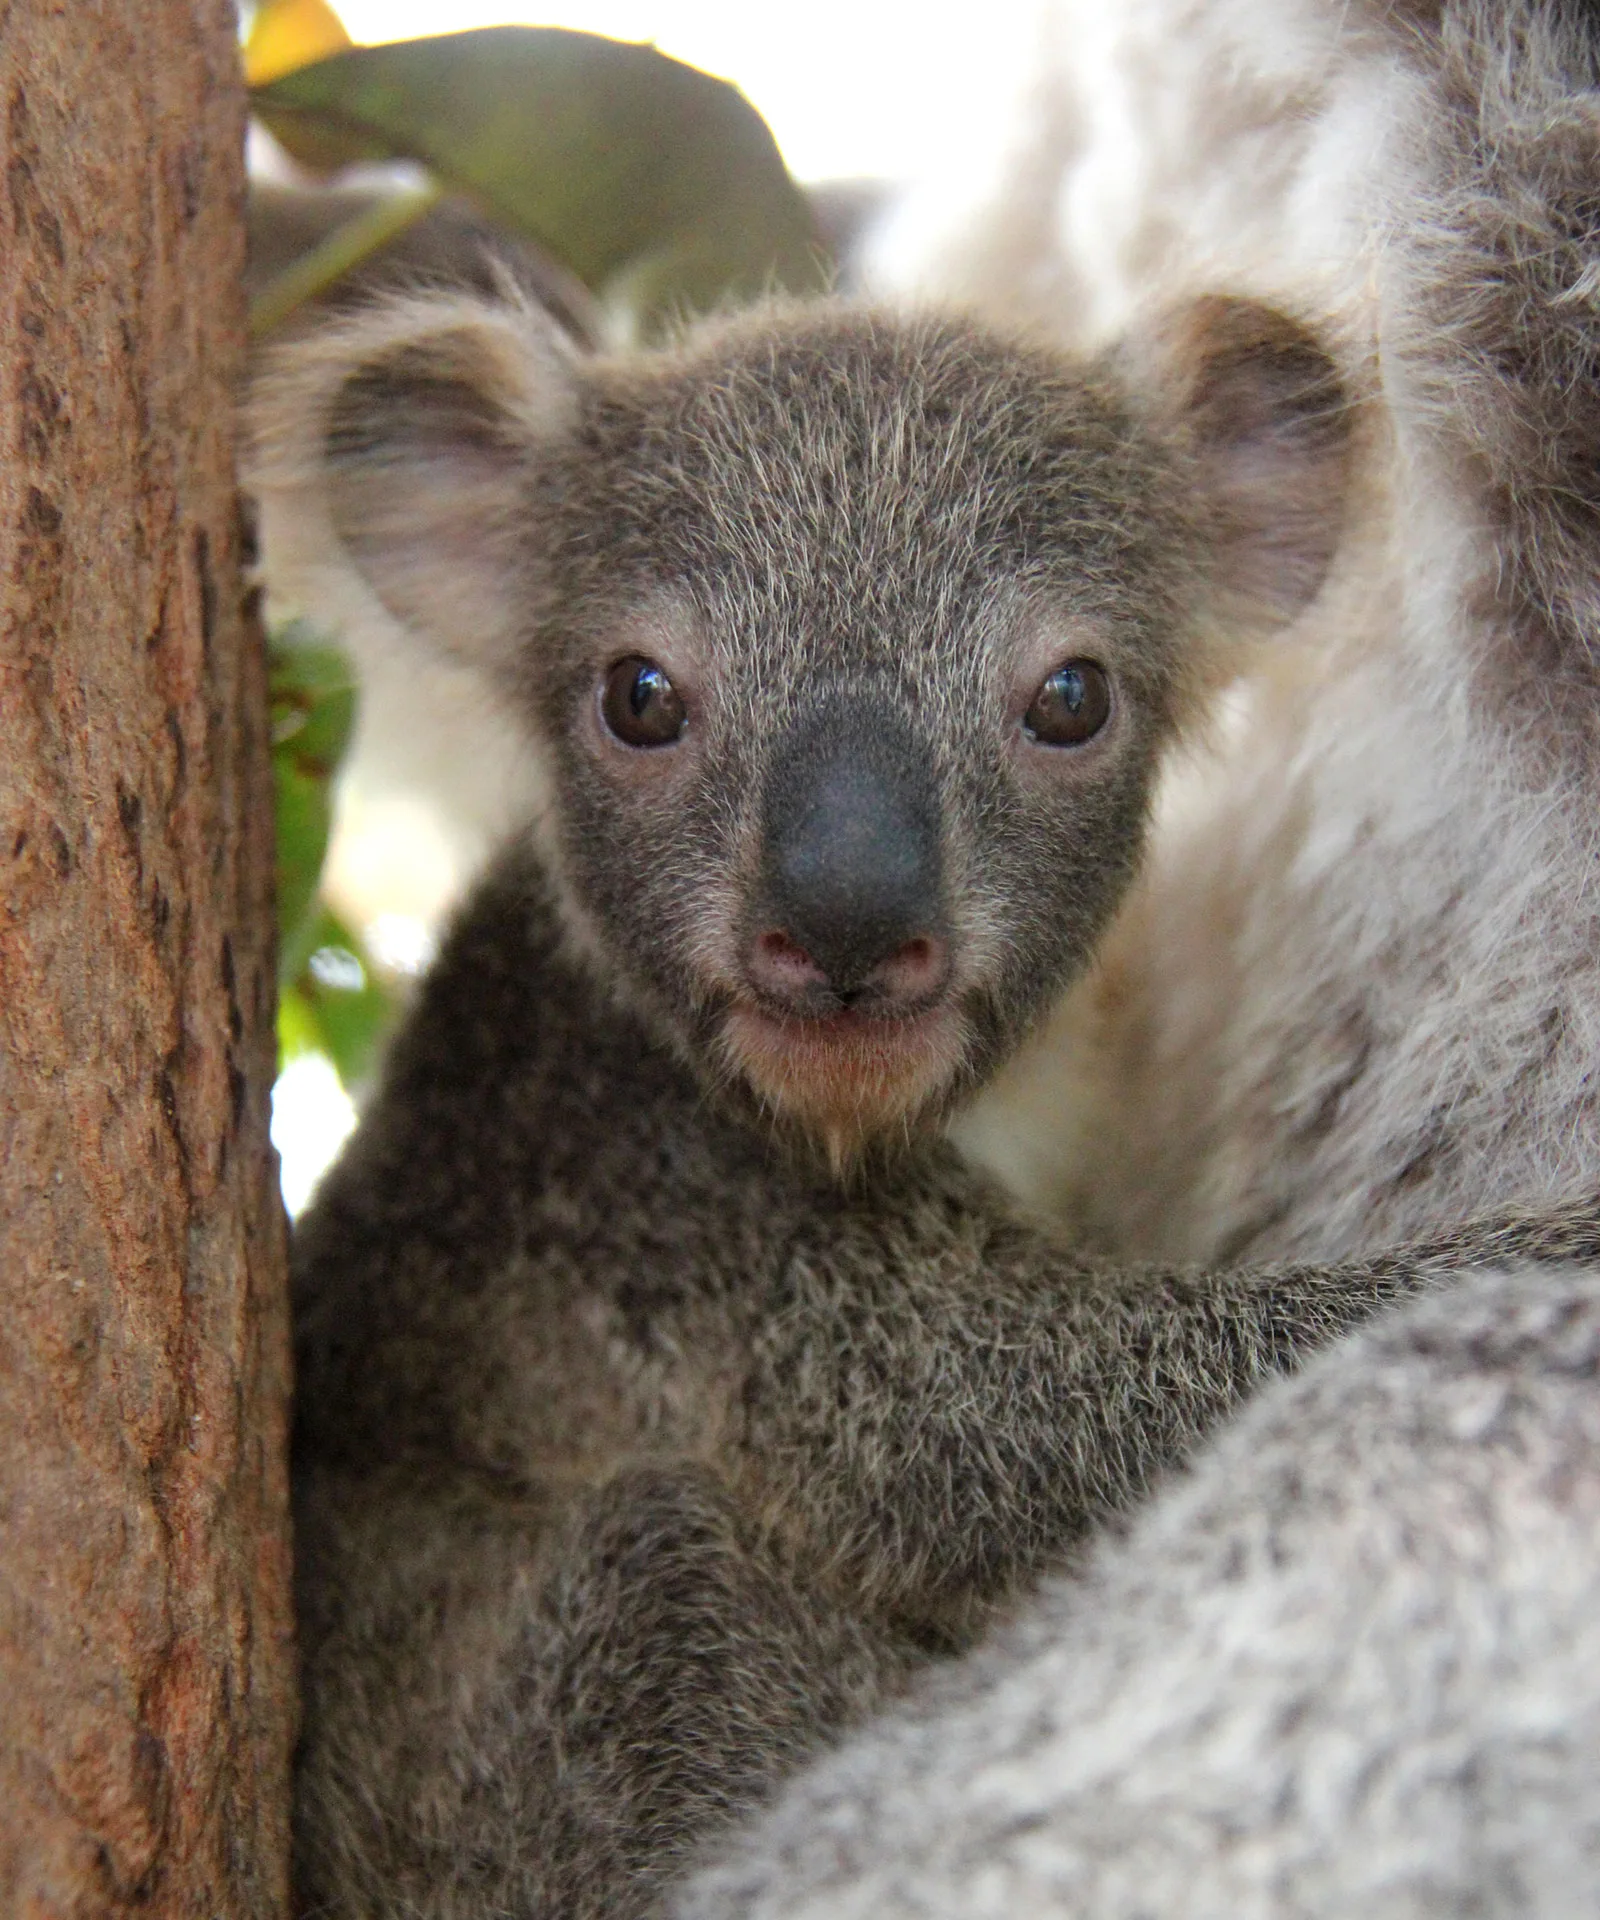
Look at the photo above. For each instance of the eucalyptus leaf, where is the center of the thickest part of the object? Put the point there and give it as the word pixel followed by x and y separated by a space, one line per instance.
pixel 334 1004
pixel 299 1027
pixel 628 166
pixel 312 716
pixel 302 815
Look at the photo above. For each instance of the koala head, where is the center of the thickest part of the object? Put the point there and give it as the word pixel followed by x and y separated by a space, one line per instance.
pixel 848 642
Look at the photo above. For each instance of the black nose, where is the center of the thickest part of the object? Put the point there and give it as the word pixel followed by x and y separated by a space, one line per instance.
pixel 852 861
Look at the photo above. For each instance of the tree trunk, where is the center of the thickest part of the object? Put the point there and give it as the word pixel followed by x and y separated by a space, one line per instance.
pixel 145 1700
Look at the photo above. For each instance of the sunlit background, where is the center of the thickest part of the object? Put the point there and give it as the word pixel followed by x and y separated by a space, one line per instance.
pixel 852 90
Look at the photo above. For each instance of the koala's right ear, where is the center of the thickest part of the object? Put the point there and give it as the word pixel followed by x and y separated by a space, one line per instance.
pixel 389 456
pixel 1261 404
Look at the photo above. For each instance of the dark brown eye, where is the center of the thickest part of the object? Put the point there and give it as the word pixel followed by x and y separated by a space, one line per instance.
pixel 1072 705
pixel 640 704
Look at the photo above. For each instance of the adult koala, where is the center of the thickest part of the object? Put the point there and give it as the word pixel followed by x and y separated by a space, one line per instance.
pixel 1349 1664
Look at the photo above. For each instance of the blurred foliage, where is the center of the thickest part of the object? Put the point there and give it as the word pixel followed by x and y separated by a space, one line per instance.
pixel 656 184
pixel 657 187
pixel 328 998
pixel 334 1004
pixel 313 714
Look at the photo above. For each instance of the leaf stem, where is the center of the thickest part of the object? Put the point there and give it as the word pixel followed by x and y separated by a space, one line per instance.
pixel 338 254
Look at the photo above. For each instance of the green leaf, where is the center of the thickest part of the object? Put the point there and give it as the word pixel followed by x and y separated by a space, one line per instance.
pixel 299 1026
pixel 643 175
pixel 302 817
pixel 313 712
pixel 334 1004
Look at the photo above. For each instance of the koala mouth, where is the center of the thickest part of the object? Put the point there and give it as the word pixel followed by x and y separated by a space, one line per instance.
pixel 849 1077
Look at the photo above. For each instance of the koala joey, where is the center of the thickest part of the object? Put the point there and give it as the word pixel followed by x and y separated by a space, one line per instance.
pixel 668 1387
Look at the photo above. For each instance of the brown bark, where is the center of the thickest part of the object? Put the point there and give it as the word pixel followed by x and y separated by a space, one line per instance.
pixel 145 1706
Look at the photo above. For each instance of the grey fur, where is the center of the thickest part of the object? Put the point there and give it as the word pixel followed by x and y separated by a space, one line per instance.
pixel 1504 346
pixel 1349 1665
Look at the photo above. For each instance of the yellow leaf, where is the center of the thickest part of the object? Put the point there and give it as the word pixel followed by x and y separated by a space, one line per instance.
pixel 287 34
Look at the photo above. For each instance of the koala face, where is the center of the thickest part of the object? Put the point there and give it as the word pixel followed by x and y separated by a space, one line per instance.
pixel 850 643
pixel 855 698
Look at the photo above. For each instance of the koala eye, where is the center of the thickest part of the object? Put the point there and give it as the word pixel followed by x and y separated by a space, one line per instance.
pixel 1072 706
pixel 640 704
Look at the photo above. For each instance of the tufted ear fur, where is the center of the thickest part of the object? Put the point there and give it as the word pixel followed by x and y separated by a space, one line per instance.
pixel 390 459
pixel 1265 414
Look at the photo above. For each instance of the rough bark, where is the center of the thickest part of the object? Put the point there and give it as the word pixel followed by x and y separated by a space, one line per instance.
pixel 145 1701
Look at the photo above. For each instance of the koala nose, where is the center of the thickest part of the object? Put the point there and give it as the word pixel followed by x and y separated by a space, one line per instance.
pixel 912 974
pixel 852 879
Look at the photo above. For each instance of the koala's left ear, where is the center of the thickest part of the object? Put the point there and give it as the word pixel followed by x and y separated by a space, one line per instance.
pixel 390 454
pixel 1265 413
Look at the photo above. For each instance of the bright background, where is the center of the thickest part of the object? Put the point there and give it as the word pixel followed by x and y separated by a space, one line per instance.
pixel 850 88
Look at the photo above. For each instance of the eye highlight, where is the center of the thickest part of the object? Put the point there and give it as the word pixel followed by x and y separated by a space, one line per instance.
pixel 640 705
pixel 1071 706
